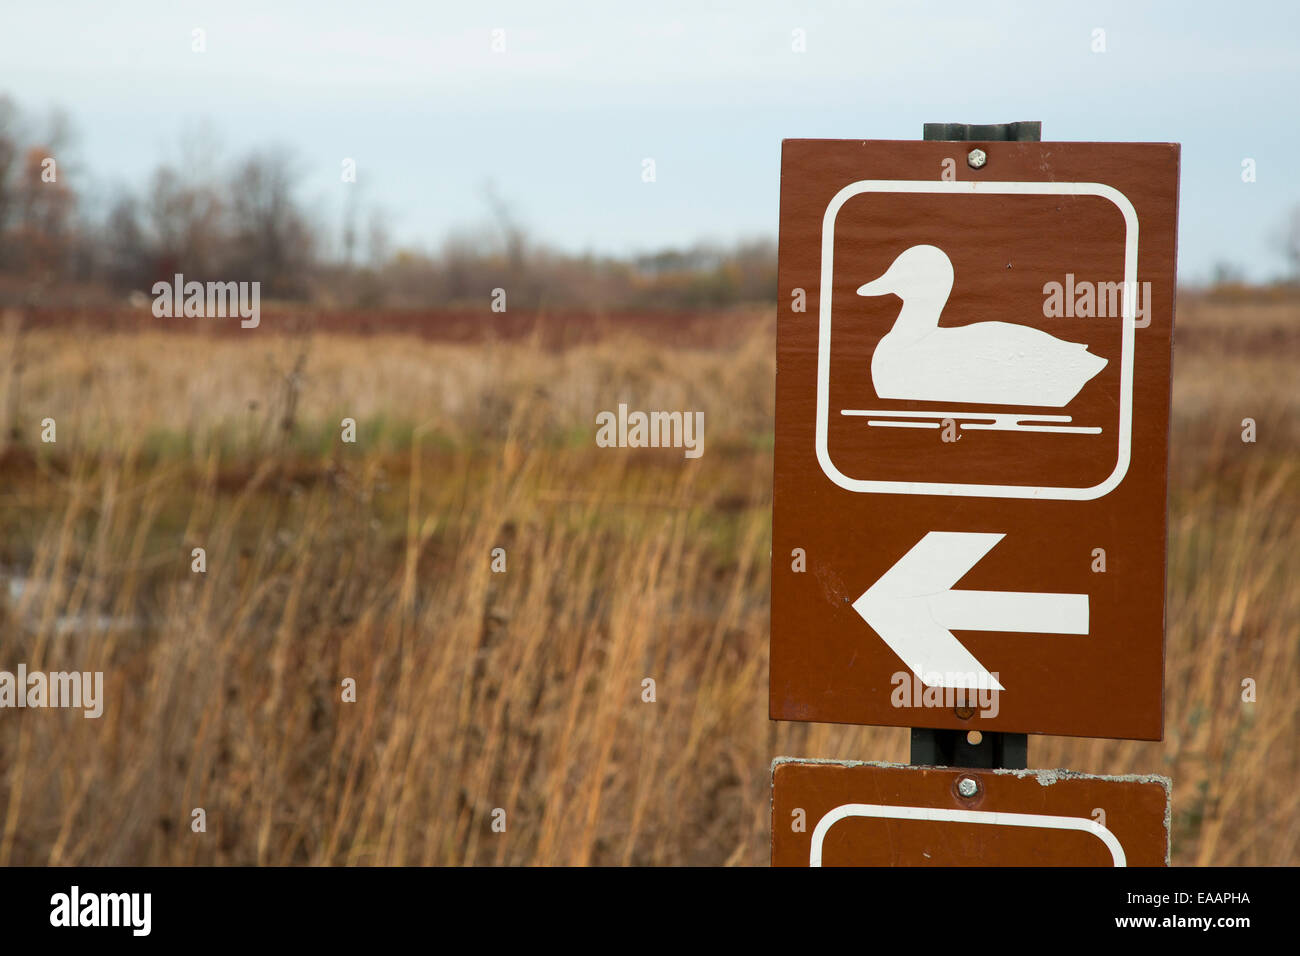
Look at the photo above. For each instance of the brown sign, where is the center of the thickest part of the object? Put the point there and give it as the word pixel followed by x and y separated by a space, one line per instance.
pixel 846 814
pixel 972 413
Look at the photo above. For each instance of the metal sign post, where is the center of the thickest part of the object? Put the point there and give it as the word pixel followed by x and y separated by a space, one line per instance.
pixel 933 747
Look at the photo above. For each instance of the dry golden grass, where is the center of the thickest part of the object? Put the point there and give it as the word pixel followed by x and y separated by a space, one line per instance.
pixel 522 690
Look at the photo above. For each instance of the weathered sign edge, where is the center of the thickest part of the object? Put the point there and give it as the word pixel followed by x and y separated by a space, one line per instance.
pixel 1045 777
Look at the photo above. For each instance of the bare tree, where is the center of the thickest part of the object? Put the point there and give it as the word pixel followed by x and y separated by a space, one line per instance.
pixel 10 148
pixel 184 217
pixel 513 236
pixel 378 239
pixel 126 255
pixel 270 237
pixel 44 207
pixel 1290 241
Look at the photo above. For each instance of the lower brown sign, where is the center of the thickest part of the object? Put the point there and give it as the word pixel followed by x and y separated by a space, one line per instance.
pixel 827 813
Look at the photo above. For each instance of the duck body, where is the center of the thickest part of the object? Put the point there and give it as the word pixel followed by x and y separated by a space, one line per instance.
pixel 995 363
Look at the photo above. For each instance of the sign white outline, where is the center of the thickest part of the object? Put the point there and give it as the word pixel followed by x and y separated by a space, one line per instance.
pixel 1128 317
pixel 938 814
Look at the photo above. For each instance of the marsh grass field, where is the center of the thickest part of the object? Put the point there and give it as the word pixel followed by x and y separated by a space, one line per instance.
pixel 522 690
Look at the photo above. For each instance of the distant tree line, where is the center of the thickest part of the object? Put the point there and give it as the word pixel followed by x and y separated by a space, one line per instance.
pixel 247 220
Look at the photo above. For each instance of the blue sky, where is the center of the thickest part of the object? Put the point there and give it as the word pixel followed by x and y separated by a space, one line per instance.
pixel 560 122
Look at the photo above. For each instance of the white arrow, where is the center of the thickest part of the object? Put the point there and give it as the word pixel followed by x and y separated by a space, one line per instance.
pixel 914 609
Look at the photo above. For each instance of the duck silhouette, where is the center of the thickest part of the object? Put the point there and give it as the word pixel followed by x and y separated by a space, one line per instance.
pixel 996 363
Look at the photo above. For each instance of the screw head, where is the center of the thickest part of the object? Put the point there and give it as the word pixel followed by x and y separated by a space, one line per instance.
pixel 968 787
pixel 976 158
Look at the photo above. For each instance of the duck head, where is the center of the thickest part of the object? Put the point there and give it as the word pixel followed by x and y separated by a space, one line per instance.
pixel 919 273
pixel 922 277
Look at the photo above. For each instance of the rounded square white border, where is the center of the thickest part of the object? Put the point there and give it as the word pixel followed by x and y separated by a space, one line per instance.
pixel 936 814
pixel 1128 316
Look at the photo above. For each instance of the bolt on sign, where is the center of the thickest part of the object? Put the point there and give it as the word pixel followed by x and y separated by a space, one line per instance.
pixel 972 416
pixel 827 813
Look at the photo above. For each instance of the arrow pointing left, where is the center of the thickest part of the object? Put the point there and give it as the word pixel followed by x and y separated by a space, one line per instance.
pixel 914 609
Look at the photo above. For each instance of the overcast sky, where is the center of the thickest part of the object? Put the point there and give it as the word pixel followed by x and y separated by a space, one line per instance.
pixel 561 120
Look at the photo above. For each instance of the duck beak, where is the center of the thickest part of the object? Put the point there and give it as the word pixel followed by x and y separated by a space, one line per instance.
pixel 875 287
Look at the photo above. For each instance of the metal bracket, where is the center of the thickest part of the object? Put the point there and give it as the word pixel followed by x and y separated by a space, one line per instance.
pixel 949 748
pixel 1025 132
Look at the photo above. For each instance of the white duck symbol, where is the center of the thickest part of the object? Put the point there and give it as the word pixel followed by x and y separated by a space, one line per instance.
pixel 998 363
